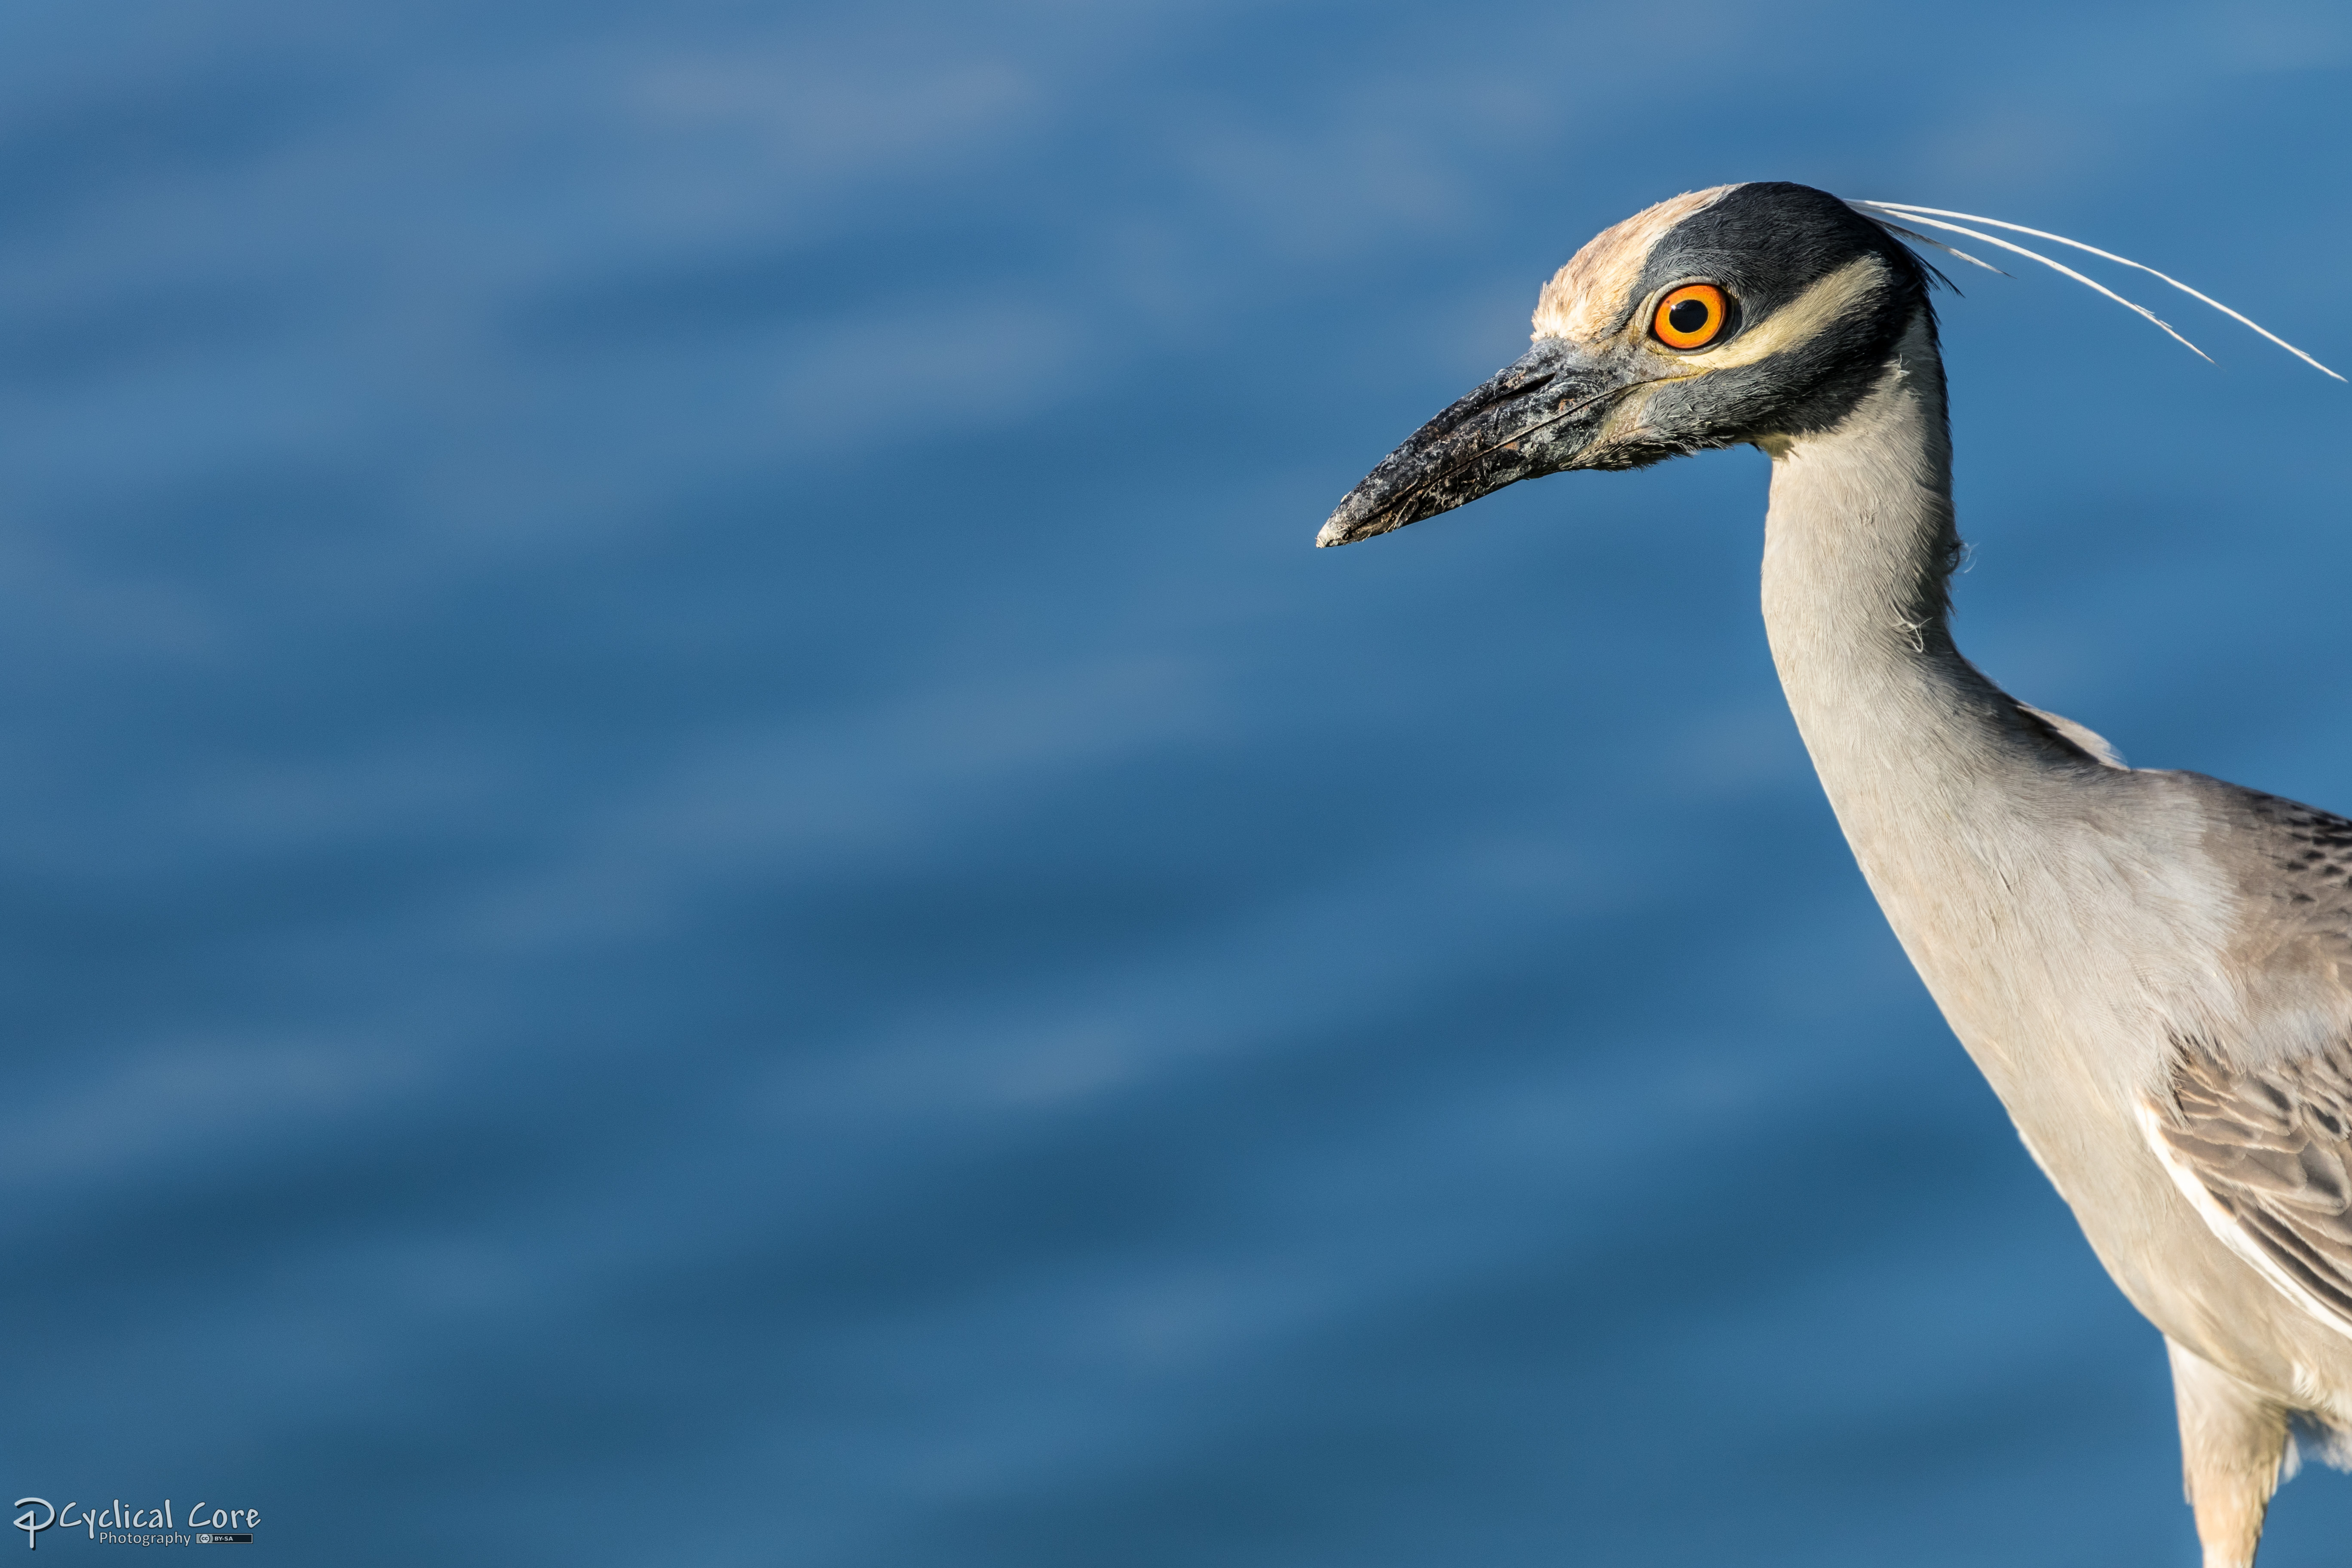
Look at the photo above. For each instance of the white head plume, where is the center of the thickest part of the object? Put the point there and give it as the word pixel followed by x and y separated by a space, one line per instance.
pixel 1894 218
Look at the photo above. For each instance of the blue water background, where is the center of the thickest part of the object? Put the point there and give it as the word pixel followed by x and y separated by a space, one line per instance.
pixel 693 868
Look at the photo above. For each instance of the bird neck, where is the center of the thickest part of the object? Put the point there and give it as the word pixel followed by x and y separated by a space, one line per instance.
pixel 1859 549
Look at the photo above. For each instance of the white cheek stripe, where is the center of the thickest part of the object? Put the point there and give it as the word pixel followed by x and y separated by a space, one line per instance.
pixel 1798 321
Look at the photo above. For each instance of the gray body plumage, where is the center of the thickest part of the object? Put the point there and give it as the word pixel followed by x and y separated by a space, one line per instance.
pixel 2148 966
pixel 2152 968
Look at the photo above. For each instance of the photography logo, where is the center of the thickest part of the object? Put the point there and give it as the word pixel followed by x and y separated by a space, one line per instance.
pixel 119 1526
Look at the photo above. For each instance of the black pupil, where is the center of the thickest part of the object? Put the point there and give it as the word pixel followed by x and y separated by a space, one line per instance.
pixel 1687 316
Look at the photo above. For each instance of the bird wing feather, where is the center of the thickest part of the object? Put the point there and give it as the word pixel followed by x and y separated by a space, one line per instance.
pixel 2081 737
pixel 2261 1145
pixel 2263 1157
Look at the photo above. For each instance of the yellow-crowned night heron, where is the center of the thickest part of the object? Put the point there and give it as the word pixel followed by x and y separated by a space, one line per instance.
pixel 2153 969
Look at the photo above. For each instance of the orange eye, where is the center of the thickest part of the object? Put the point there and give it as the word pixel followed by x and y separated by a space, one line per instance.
pixel 1691 317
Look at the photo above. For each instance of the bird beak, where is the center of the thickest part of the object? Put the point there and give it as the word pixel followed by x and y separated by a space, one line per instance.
pixel 1537 416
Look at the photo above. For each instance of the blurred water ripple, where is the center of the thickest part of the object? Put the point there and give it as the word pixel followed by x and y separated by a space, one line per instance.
pixel 691 865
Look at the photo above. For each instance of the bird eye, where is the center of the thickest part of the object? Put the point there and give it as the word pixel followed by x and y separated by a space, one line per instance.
pixel 1691 317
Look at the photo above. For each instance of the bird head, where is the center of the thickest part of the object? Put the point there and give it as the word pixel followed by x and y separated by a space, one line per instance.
pixel 1737 314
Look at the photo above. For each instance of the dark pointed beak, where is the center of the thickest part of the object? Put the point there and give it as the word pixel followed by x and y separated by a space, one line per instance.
pixel 1537 416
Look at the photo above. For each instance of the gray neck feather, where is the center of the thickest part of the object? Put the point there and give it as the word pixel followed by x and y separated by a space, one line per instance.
pixel 2064 913
pixel 1975 825
pixel 1859 548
